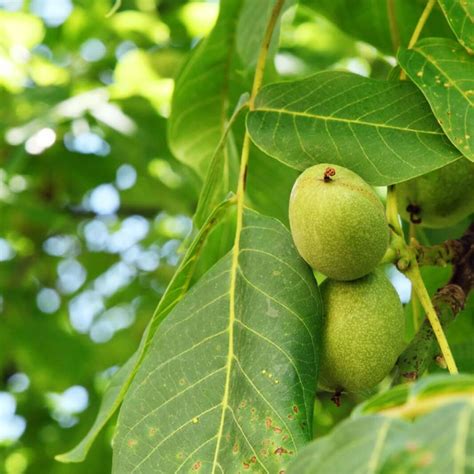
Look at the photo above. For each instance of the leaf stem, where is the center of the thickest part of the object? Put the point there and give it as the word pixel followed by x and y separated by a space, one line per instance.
pixel 257 82
pixel 114 9
pixel 413 273
pixel 392 21
pixel 392 211
pixel 421 23
pixel 418 28
pixel 415 307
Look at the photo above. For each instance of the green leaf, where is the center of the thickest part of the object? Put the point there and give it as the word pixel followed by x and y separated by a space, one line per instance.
pixel 228 383
pixel 122 379
pixel 384 131
pixel 269 184
pixel 423 396
pixel 460 16
pixel 441 441
pixel 212 81
pixel 368 19
pixel 223 170
pixel 444 72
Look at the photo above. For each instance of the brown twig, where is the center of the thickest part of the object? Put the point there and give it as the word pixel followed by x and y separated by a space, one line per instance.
pixel 448 302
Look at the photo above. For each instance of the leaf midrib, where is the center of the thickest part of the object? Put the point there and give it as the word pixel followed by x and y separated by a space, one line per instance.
pixel 343 120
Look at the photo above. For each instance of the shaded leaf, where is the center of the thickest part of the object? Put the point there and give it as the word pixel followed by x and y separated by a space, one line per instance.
pixel 122 379
pixel 441 441
pixel 384 131
pixel 269 184
pixel 212 81
pixel 223 170
pixel 460 16
pixel 368 20
pixel 444 72
pixel 228 383
pixel 424 395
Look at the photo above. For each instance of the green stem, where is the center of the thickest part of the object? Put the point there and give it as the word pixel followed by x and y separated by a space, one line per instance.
pixel 415 307
pixel 392 21
pixel 240 197
pixel 418 28
pixel 413 273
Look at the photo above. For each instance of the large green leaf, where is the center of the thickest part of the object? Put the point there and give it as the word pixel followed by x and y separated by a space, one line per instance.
pixel 439 442
pixel 368 19
pixel 460 16
pixel 441 439
pixel 444 72
pixel 423 396
pixel 228 383
pixel 121 381
pixel 217 73
pixel 384 131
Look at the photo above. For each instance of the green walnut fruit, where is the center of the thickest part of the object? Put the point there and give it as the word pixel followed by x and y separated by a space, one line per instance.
pixel 337 221
pixel 438 199
pixel 363 331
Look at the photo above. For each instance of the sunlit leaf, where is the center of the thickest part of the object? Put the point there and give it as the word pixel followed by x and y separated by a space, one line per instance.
pixel 121 381
pixel 368 20
pixel 228 383
pixel 444 72
pixel 460 16
pixel 384 131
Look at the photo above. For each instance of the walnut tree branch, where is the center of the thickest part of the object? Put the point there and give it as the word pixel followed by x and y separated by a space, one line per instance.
pixel 448 302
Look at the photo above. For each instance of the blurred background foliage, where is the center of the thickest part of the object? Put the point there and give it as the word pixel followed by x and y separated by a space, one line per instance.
pixel 94 209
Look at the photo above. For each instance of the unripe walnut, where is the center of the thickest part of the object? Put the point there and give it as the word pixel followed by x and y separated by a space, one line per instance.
pixel 438 199
pixel 363 332
pixel 337 221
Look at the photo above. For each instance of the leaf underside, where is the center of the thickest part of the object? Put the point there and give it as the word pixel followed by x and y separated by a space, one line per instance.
pixel 444 72
pixel 384 131
pixel 228 388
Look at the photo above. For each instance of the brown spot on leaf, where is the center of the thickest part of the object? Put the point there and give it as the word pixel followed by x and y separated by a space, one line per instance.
pixel 152 431
pixel 235 448
pixel 295 409
pixel 197 465
pixel 280 451
pixel 277 429
pixel 246 465
pixel 268 423
pixel 132 443
pixel 253 459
